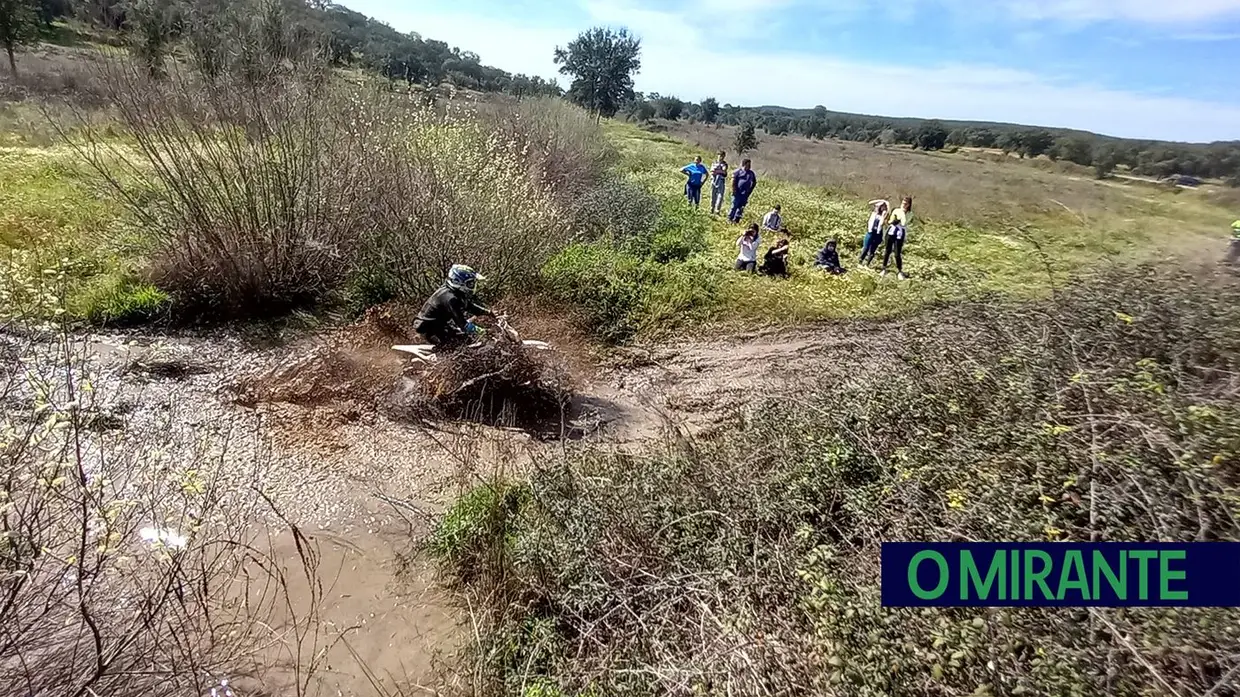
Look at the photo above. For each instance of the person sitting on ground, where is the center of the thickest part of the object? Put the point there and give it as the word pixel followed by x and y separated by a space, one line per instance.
pixel 829 259
pixel 743 182
pixel 747 259
pixel 775 263
pixel 696 172
pixel 900 219
pixel 443 321
pixel 874 232
pixel 773 220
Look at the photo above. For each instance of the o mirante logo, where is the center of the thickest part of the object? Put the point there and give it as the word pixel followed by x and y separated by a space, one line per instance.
pixel 1108 574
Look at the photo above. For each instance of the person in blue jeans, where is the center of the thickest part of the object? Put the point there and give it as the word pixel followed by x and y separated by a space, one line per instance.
pixel 874 231
pixel 743 183
pixel 696 172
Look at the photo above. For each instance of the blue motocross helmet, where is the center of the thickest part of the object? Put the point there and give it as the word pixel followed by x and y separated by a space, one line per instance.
pixel 463 278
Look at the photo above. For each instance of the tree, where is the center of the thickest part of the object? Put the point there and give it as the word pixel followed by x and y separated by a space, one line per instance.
pixel 602 63
pixel 1078 150
pixel 746 139
pixel 668 108
pixel 19 25
pixel 639 110
pixel 1034 142
pixel 931 136
pixel 154 24
pixel 710 110
pixel 1104 158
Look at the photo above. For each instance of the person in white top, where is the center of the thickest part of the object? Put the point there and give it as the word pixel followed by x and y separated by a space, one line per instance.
pixel 773 221
pixel 748 243
pixel 874 231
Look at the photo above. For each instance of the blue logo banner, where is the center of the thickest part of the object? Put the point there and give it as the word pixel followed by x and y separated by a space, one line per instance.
pixel 1060 574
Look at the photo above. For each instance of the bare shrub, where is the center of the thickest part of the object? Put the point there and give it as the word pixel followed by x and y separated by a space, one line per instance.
pixel 128 573
pixel 269 191
pixel 565 146
pixel 446 189
pixel 497 384
pixel 749 564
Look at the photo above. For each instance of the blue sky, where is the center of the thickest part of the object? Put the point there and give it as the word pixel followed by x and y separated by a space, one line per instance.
pixel 1165 69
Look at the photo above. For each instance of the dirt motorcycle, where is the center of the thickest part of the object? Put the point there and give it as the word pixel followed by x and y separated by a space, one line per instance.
pixel 478 336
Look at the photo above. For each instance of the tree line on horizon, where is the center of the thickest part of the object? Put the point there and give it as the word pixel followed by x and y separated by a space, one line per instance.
pixel 153 28
pixel 1104 153
pixel 601 63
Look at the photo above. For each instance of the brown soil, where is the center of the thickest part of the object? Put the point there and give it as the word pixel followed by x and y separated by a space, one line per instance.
pixel 351 368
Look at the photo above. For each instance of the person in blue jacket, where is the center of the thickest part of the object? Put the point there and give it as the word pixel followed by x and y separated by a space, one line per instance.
pixel 696 172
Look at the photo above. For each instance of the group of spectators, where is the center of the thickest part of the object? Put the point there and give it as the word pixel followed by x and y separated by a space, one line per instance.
pixel 885 224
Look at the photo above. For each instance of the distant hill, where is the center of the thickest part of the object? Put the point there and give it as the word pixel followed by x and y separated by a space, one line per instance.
pixel 1219 160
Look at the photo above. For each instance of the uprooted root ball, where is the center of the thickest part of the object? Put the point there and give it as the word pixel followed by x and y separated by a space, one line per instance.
pixel 497 384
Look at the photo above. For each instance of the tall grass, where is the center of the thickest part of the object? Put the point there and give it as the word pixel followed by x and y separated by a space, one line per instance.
pixel 748 563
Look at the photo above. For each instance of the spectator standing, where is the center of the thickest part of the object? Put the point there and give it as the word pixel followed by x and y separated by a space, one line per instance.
pixel 874 231
pixel 696 173
pixel 743 183
pixel 718 183
pixel 896 234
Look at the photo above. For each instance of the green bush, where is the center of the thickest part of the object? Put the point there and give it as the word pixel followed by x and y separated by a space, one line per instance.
pixel 748 563
pixel 617 208
pixel 619 295
pixel 465 538
pixel 122 302
pixel 679 233
pixel 604 285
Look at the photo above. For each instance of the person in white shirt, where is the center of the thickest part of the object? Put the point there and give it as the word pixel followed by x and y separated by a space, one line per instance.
pixel 773 221
pixel 874 231
pixel 748 243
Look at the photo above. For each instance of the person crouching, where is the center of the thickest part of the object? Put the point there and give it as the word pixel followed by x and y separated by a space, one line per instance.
pixel 443 321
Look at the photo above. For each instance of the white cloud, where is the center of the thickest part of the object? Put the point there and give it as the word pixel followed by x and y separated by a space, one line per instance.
pixel 695 58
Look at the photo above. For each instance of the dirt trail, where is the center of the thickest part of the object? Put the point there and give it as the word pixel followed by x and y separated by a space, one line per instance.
pixel 353 477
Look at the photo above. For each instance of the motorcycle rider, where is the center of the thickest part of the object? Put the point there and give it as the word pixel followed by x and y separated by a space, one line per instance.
pixel 442 321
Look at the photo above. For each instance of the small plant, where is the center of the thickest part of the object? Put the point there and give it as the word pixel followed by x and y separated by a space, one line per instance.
pixel 125 302
pixel 746 139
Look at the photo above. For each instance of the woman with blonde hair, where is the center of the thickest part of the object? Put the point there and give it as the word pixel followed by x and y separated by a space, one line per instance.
pixel 874 230
pixel 899 222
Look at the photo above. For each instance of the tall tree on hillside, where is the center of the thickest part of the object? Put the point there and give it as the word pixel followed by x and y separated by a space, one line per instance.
pixel 931 136
pixel 1035 141
pixel 710 110
pixel 602 63
pixel 668 108
pixel 746 139
pixel 19 25
pixel 153 24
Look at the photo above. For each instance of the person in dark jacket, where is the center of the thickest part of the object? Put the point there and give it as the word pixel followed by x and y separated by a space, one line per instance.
pixel 743 183
pixel 829 259
pixel 443 321
pixel 775 263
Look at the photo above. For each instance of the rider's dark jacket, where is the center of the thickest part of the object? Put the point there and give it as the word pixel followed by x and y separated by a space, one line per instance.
pixel 444 313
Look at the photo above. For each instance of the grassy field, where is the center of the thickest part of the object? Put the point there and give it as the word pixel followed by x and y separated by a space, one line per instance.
pixel 980 227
